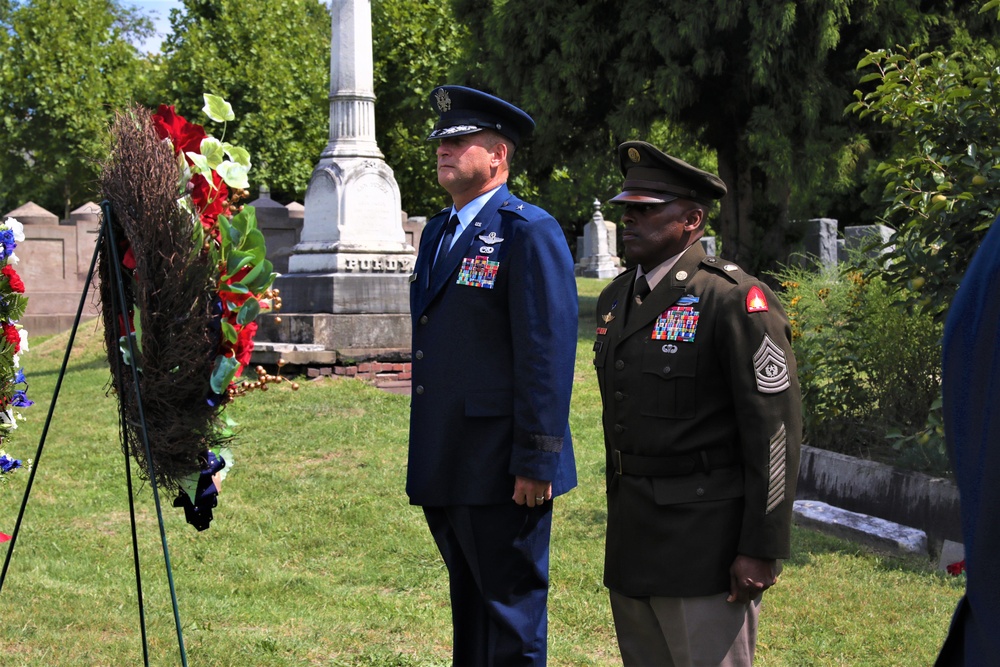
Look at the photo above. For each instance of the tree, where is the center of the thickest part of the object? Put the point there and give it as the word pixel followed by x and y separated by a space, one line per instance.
pixel 65 65
pixel 271 60
pixel 763 84
pixel 942 177
pixel 416 45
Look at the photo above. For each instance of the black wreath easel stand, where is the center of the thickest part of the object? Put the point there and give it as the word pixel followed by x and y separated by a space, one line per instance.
pixel 106 243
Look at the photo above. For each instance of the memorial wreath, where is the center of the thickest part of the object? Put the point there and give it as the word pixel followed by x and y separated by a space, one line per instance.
pixel 194 279
pixel 13 343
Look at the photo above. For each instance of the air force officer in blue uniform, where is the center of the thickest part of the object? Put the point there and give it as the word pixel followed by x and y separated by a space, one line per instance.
pixel 494 307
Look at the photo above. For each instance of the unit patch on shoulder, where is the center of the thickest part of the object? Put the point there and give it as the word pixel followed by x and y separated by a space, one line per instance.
pixel 756 301
pixel 770 367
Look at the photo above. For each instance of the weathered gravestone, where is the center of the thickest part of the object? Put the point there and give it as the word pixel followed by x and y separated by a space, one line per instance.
pixel 595 256
pixel 346 289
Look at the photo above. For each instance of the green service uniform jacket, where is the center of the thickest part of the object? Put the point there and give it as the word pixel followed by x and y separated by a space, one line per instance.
pixel 702 426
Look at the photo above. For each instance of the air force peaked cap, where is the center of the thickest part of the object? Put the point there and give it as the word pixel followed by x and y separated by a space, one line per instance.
pixel 653 177
pixel 464 110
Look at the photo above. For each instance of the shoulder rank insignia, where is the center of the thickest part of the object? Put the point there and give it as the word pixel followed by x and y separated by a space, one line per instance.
pixel 770 367
pixel 756 301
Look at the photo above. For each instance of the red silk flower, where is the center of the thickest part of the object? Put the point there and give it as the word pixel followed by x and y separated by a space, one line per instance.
pixel 244 343
pixel 127 254
pixel 12 336
pixel 186 136
pixel 234 300
pixel 16 284
pixel 209 202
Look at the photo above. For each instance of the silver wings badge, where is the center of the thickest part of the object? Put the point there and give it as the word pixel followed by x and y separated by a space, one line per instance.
pixel 490 238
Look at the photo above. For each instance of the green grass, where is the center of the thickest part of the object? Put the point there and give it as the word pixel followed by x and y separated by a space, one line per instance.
pixel 316 558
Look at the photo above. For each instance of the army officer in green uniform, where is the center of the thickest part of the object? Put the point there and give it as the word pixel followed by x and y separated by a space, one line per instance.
pixel 702 426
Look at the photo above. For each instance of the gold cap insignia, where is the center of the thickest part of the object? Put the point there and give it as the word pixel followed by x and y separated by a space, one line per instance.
pixel 633 155
pixel 443 99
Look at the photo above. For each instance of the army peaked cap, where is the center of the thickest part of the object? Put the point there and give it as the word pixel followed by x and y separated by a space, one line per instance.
pixel 464 110
pixel 653 177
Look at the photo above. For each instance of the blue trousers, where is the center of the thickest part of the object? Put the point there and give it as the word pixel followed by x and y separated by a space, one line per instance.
pixel 498 566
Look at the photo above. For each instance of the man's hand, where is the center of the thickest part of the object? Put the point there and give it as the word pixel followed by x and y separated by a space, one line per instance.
pixel 749 577
pixel 531 492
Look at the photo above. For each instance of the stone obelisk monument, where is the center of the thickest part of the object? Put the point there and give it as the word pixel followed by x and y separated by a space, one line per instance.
pixel 347 282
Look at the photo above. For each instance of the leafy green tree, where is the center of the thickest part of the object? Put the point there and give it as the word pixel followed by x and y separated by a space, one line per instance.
pixel 65 65
pixel 942 177
pixel 416 44
pixel 271 60
pixel 763 84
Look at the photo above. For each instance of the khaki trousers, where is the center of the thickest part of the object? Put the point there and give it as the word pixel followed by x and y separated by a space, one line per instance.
pixel 685 632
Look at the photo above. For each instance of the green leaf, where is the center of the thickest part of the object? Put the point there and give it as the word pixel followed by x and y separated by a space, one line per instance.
pixel 235 175
pixel 237 154
pixel 248 312
pixel 227 455
pixel 260 277
pixel 236 261
pixel 197 237
pixel 254 243
pixel 237 288
pixel 251 277
pixel 137 325
pixel 189 484
pixel 246 219
pixel 218 109
pixel 124 348
pixel 223 373
pixel 201 165
pixel 228 332
pixel 212 150
pixel 226 230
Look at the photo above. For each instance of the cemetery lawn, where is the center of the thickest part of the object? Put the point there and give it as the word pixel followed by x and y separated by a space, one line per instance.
pixel 316 558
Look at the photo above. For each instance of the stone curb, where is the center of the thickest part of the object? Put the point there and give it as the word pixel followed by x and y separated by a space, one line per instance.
pixel 884 536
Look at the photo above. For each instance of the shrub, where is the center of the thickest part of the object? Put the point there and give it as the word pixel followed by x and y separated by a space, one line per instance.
pixel 942 179
pixel 869 365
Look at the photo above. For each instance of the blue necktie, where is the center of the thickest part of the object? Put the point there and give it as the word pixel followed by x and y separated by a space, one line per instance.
pixel 446 240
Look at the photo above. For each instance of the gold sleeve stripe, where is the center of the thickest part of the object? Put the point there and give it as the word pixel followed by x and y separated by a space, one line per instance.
pixel 776 469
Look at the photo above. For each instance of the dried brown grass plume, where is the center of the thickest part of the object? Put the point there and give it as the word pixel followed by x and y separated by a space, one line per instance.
pixel 172 291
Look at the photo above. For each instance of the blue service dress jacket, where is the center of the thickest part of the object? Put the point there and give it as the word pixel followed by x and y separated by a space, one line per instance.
pixel 494 348
pixel 971 390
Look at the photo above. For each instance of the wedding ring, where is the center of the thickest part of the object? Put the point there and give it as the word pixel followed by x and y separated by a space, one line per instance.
pixel 539 499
